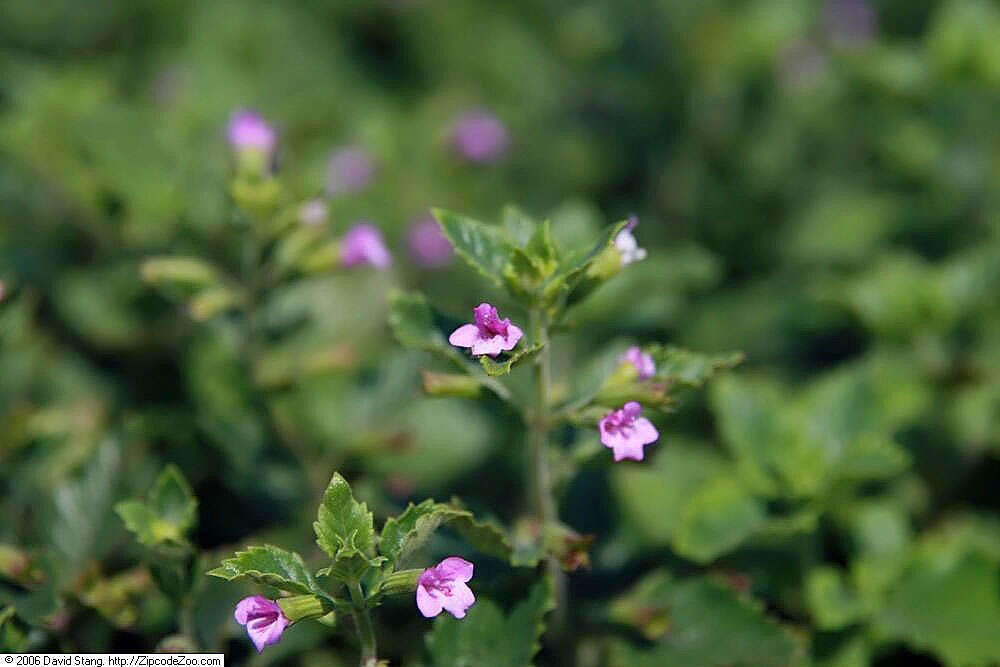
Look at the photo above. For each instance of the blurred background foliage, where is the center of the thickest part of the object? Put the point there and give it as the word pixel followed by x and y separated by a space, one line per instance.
pixel 817 184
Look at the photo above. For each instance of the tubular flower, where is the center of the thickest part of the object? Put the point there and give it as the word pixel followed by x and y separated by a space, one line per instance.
pixel 429 246
pixel 247 130
pixel 363 244
pixel 642 361
pixel 263 619
pixel 479 136
pixel 627 245
pixel 489 335
pixel 444 587
pixel 625 432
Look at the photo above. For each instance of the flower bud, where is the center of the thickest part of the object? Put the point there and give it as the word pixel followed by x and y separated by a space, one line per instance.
pixel 301 607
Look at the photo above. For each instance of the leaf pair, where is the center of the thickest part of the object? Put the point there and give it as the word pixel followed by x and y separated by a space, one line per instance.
pixel 166 516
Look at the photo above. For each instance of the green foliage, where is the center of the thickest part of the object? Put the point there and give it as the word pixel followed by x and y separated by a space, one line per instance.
pixel 402 535
pixel 702 623
pixel 271 566
pixel 489 638
pixel 500 368
pixel 345 530
pixel 167 515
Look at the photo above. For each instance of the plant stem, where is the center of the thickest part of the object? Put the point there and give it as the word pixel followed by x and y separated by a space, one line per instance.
pixel 363 622
pixel 538 432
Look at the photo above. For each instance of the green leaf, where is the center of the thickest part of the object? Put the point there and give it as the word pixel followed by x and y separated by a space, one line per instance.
pixel 412 321
pixel 488 638
pixel 703 624
pixel 481 246
pixel 518 225
pixel 717 518
pixel 271 566
pixel 572 269
pixel 948 606
pixel 178 273
pixel 167 515
pixel 682 366
pixel 405 533
pixel 832 604
pixel 345 530
pixel 485 535
pixel 495 368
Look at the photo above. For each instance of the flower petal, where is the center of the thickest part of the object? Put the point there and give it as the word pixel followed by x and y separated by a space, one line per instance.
pixel 428 604
pixel 644 432
pixel 491 346
pixel 465 336
pixel 461 598
pixel 455 569
pixel 514 334
pixel 251 607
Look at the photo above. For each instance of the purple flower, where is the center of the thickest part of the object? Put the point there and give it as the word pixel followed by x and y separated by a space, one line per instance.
pixel 428 245
pixel 642 361
pixel 627 245
pixel 263 619
pixel 363 244
pixel 351 168
pixel 625 432
pixel 479 136
pixel 489 335
pixel 443 587
pixel 850 22
pixel 248 130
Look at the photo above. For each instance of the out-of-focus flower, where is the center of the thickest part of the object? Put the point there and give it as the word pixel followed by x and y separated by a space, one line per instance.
pixel 428 245
pixel 626 433
pixel 801 65
pixel 627 245
pixel 263 619
pixel 247 130
pixel 850 22
pixel 444 587
pixel 489 335
pixel 363 244
pixel 479 136
pixel 313 212
pixel 350 169
pixel 642 361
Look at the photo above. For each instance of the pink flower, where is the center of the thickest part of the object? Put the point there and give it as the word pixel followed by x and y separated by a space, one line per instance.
pixel 363 244
pixel 428 245
pixel 479 136
pixel 642 361
pixel 263 619
pixel 351 168
pixel 627 245
pixel 247 129
pixel 625 432
pixel 489 335
pixel 443 587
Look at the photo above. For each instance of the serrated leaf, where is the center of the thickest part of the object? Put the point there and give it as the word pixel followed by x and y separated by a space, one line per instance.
pixel 495 368
pixel 481 246
pixel 344 527
pixel 706 624
pixel 484 534
pixel 518 225
pixel 405 533
pixel 271 566
pixel 717 518
pixel 166 516
pixel 948 606
pixel 571 270
pixel 693 369
pixel 488 638
pixel 412 321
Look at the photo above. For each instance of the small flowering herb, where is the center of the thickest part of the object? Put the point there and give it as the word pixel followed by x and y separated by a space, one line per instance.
pixel 642 361
pixel 363 244
pixel 489 335
pixel 444 587
pixel 247 130
pixel 625 432
pixel 263 619
pixel 627 245
pixel 479 136
pixel 350 169
pixel 430 248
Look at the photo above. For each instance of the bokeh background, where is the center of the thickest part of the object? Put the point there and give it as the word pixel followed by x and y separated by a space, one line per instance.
pixel 817 184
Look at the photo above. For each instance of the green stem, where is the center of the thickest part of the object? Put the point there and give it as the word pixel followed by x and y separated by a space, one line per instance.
pixel 538 433
pixel 363 622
